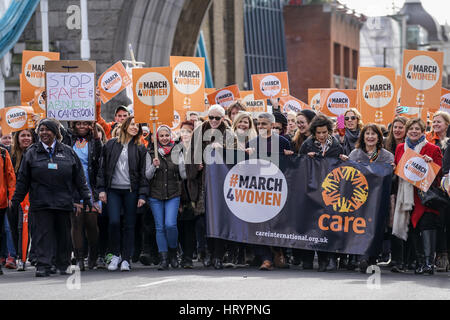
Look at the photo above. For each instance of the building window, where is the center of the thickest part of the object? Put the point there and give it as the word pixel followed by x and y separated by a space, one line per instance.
pixel 355 64
pixel 337 59
pixel 346 62
pixel 265 48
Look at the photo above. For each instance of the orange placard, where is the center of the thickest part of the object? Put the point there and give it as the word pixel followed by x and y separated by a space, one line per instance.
pixel 188 76
pixel 208 91
pixel 153 95
pixel 421 79
pixel 33 72
pixel 225 96
pixel 113 81
pixel 445 101
pixel 251 105
pixel 16 118
pixel 314 99
pixel 291 103
pixel 39 103
pixel 335 102
pixel 270 85
pixel 377 95
pixel 413 168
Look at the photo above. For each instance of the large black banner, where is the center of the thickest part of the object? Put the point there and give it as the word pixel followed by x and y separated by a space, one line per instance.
pixel 316 204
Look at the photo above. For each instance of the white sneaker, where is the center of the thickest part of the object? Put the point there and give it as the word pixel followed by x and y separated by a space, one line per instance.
pixel 125 266
pixel 114 264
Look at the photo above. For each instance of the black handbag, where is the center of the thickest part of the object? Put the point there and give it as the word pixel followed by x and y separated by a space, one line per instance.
pixel 434 198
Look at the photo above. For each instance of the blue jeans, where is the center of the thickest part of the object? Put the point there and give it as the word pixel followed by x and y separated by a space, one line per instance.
pixel 7 248
pixel 165 213
pixel 117 200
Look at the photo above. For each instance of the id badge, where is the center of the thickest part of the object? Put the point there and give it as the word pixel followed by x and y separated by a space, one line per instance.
pixel 53 166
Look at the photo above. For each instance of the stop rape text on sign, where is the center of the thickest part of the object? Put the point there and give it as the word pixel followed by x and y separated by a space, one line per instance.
pixel 71 96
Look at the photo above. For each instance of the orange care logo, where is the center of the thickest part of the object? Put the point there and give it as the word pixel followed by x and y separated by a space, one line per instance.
pixel 422 72
pixel 35 71
pixel 378 91
pixel 315 101
pixel 334 183
pixel 346 190
pixel 270 86
pixel 152 88
pixel 338 103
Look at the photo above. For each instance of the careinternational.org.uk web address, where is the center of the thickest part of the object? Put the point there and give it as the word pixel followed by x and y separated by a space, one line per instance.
pixel 291 236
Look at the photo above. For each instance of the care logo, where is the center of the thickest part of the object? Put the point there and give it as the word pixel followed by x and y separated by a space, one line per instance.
pixel 292 105
pixel 111 82
pixel 445 103
pixel 338 103
pixel 315 101
pixel 378 91
pixel 416 169
pixel 35 71
pixel 345 189
pixel 255 190
pixel 187 77
pixel 270 86
pixel 225 98
pixel 152 88
pixel 422 72
pixel 41 100
pixel 16 118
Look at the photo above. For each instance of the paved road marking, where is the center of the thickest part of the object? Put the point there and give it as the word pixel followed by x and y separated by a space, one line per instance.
pixel 155 283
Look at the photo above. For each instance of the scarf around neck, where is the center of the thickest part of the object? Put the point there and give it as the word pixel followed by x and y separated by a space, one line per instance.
pixel 412 145
pixel 165 150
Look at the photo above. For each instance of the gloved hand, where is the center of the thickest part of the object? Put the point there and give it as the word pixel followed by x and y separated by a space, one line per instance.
pixel 87 205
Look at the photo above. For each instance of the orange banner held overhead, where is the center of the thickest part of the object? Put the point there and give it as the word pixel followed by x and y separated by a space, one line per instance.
pixel 251 105
pixel 225 96
pixel 16 118
pixel 422 79
pixel 291 103
pixel 153 96
pixel 413 168
pixel 33 72
pixel 270 85
pixel 113 81
pixel 445 101
pixel 377 95
pixel 335 102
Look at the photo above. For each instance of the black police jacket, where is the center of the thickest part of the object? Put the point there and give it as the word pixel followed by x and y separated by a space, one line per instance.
pixel 50 186
pixel 136 165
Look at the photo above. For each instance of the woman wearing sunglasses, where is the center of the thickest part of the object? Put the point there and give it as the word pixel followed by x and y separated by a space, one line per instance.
pixel 353 126
pixel 215 134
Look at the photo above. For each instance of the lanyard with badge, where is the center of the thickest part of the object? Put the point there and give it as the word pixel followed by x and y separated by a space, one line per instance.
pixel 51 164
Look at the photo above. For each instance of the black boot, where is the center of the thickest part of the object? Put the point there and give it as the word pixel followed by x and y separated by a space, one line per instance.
pixel 207 259
pixel 429 247
pixel 323 261
pixel 332 265
pixel 80 264
pixel 352 262
pixel 173 259
pixel 164 261
pixel 418 248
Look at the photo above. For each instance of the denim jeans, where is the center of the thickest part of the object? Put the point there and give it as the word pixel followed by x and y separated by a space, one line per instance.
pixel 117 200
pixel 165 213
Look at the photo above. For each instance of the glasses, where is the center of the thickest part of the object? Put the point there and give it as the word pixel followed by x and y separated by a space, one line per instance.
pixel 350 118
pixel 277 128
pixel 214 118
pixel 262 123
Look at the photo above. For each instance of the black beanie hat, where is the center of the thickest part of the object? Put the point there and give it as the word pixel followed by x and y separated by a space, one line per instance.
pixel 52 126
pixel 309 114
pixel 280 118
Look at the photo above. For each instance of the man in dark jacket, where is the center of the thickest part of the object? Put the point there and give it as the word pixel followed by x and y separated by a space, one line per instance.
pixel 50 172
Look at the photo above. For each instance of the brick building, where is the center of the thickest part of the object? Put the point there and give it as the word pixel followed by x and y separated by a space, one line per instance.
pixel 322 45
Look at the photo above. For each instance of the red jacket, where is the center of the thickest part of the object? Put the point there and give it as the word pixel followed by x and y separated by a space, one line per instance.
pixel 434 152
pixel 7 179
